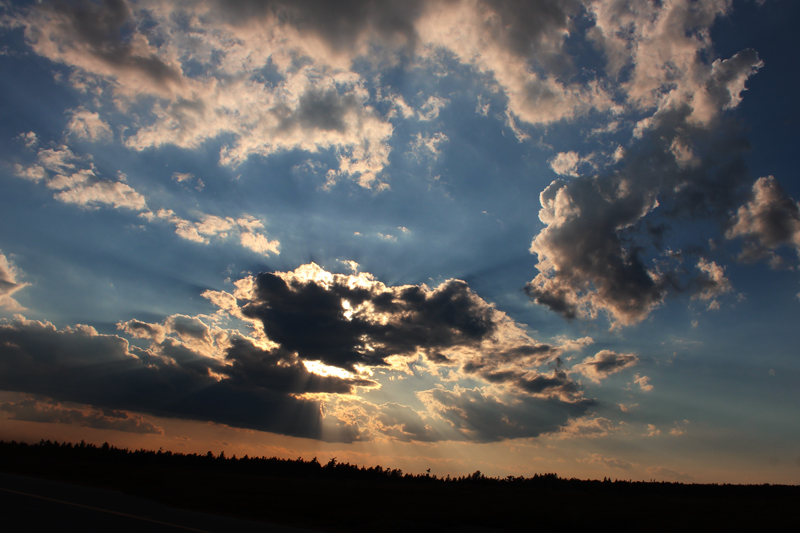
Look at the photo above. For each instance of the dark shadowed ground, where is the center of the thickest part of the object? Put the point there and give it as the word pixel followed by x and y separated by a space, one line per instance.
pixel 159 489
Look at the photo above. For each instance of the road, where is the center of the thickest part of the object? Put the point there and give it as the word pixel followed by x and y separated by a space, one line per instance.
pixel 32 504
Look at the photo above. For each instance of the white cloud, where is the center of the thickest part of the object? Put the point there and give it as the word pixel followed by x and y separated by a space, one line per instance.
pixel 567 163
pixel 82 187
pixel 427 145
pixel 114 194
pixel 666 44
pixel 643 382
pixel 88 125
pixel 10 283
pixel 770 219
pixel 605 363
pixel 259 243
pixel 211 226
pixel 591 428
pixel 432 106
pixel 712 281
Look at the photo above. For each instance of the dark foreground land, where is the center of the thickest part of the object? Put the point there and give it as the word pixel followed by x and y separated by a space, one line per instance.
pixel 342 497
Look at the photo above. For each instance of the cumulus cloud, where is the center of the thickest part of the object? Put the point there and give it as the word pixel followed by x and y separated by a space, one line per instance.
pixel 91 36
pixel 10 283
pixel 516 43
pixel 666 46
pixel 711 282
pixel 590 428
pixel 48 411
pixel 643 382
pixel 478 415
pixel 389 421
pixel 584 265
pixel 352 321
pixel 136 50
pixel 592 253
pixel 566 163
pixel 769 220
pixel 345 320
pixel 238 383
pixel 88 125
pixel 317 337
pixel 76 180
pixel 604 363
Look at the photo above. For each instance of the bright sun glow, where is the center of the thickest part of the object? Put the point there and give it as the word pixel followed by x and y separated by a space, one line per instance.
pixel 321 369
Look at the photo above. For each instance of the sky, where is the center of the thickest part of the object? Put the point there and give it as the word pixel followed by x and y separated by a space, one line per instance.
pixel 498 235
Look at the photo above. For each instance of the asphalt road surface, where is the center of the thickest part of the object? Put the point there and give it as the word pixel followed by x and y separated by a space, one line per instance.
pixel 31 504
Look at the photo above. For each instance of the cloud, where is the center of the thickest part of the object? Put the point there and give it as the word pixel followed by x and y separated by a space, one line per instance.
pixel 259 243
pixel 205 84
pixel 604 363
pixel 91 36
pixel 662 472
pixel 666 47
pixel 583 263
pixel 643 382
pixel 48 411
pixel 10 284
pixel 77 182
pixel 517 43
pixel 593 253
pixel 87 125
pixel 242 386
pixel 590 428
pixel 113 194
pixel 423 146
pixel 354 322
pixel 769 220
pixel 608 462
pixel 432 106
pixel 479 416
pixel 711 282
pixel 347 320
pixel 389 421
pixel 566 163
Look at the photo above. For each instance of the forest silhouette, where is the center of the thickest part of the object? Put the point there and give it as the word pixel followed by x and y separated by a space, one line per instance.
pixel 339 496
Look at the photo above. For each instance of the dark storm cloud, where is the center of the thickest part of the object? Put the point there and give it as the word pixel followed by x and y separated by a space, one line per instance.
pixel 242 362
pixel 99 30
pixel 253 391
pixel 310 318
pixel 280 371
pixel 45 410
pixel 482 418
